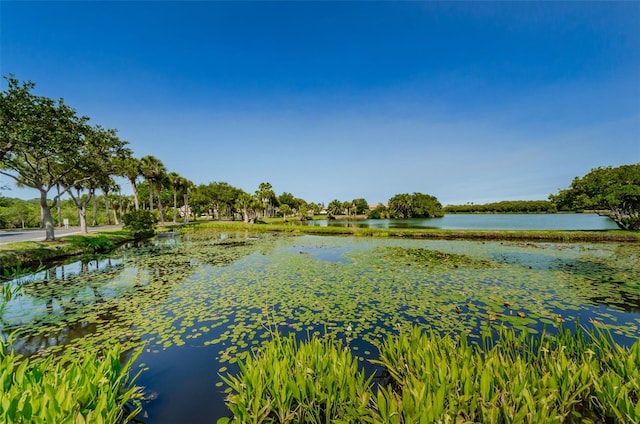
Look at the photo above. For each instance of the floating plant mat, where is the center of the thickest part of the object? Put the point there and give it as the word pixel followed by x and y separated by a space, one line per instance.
pixel 226 292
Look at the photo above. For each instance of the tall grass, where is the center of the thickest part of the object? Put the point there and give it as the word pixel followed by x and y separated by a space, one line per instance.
pixel 513 378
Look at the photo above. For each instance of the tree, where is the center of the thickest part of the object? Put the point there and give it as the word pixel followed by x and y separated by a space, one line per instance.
pixel 267 197
pixel 248 205
pixel 400 206
pixel 130 168
pixel 108 185
pixel 39 142
pixel 616 190
pixel 285 210
pixel 100 153
pixel 360 206
pixel 416 205
pixel 185 186
pixel 379 212
pixel 154 172
pixel 174 181
pixel 335 207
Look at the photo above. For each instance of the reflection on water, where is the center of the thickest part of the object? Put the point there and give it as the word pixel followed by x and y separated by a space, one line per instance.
pixel 195 303
pixel 569 221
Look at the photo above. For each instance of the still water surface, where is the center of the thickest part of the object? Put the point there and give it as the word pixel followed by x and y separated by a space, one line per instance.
pixel 569 221
pixel 194 303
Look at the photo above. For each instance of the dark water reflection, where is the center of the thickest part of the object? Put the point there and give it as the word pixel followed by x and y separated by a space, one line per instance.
pixel 193 303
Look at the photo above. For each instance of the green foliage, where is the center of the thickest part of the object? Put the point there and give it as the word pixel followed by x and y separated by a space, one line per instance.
pixel 141 223
pixel 379 212
pixel 286 382
pixel 507 206
pixel 427 257
pixel 416 205
pixel 360 206
pixel 616 190
pixel 432 378
pixel 93 244
pixel 514 378
pixel 94 387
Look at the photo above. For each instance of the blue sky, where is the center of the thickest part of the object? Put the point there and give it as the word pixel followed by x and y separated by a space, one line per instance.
pixel 470 102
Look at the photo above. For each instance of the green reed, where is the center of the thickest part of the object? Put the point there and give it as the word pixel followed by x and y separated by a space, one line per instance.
pixel 72 388
pixel 511 378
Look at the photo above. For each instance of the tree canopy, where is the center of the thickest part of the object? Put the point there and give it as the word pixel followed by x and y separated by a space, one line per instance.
pixel 616 190
pixel 416 205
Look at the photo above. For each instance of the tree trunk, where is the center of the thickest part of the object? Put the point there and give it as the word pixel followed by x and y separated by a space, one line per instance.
pixel 115 217
pixel 120 204
pixel 82 213
pixel 95 211
pixel 150 195
pixel 186 208
pixel 160 209
pixel 106 206
pixel 134 188
pixel 175 206
pixel 245 215
pixel 58 203
pixel 47 220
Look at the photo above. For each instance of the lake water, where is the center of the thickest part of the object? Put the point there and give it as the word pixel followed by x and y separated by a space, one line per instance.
pixel 562 221
pixel 195 304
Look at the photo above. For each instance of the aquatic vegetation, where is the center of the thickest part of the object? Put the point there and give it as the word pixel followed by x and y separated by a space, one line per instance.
pixel 510 378
pixel 426 257
pixel 224 291
pixel 72 388
pixel 432 378
pixel 287 381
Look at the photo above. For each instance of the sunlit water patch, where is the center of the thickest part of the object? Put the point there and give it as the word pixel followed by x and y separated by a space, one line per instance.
pixel 197 303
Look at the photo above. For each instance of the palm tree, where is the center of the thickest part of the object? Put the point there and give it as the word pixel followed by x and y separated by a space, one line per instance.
pixel 108 186
pixel 130 168
pixel 174 180
pixel 153 171
pixel 185 186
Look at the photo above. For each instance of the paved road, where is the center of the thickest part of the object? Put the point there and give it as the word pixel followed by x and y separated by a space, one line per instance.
pixel 11 236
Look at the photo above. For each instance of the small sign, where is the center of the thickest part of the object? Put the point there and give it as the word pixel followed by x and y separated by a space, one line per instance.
pixel 66 223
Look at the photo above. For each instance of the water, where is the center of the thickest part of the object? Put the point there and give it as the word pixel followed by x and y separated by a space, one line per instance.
pixel 569 221
pixel 194 303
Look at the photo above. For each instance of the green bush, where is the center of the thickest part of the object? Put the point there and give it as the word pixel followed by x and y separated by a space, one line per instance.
pixel 141 223
pixel 93 244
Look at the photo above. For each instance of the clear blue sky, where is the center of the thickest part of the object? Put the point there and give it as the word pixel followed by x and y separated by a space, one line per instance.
pixel 470 102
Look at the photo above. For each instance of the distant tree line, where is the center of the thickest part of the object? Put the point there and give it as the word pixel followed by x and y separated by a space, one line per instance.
pixel 45 145
pixel 507 206
pixel 613 190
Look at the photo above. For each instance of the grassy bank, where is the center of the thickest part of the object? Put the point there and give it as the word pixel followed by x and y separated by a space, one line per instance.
pixel 32 254
pixel 427 233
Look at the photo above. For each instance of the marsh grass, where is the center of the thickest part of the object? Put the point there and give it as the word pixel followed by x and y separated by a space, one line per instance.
pixel 509 378
pixel 531 235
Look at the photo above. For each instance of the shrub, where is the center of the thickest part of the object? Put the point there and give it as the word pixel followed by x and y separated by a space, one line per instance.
pixel 140 223
pixel 94 244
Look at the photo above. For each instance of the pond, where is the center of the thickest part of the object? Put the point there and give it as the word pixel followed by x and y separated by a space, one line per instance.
pixel 476 221
pixel 197 302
